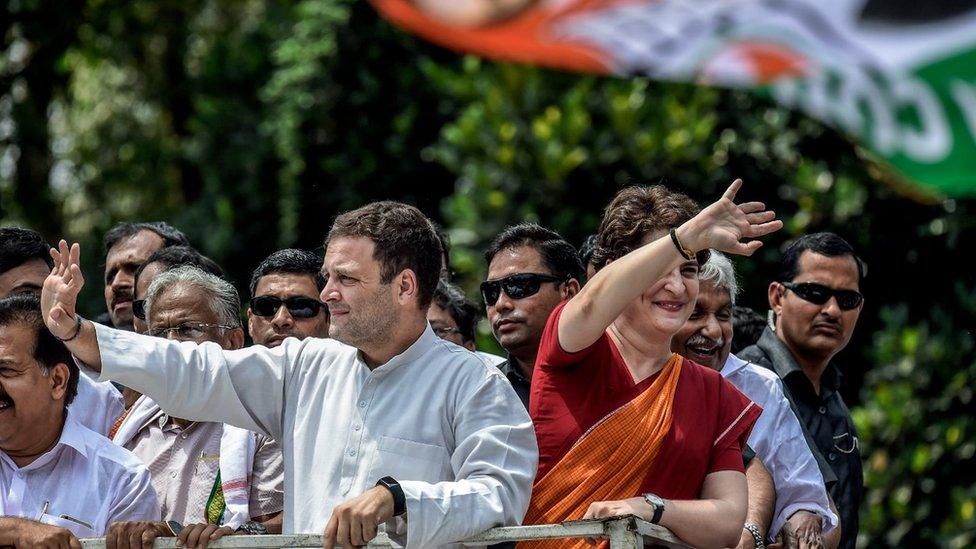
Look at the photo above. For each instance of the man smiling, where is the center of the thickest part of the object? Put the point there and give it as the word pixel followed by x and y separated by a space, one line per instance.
pixel 802 511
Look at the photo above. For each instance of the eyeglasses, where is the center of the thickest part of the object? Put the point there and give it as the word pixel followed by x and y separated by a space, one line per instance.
pixel 188 330
pixel 516 286
pixel 298 306
pixel 139 309
pixel 819 294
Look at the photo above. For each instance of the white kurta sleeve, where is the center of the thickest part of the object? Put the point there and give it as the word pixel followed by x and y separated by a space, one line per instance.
pixel 799 484
pixel 494 465
pixel 203 382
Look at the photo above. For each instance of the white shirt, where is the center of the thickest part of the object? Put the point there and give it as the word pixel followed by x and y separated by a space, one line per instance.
pixel 778 440
pixel 447 426
pixel 97 404
pixel 490 359
pixel 85 478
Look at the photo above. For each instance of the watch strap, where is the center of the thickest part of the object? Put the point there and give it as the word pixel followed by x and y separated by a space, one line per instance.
pixel 757 536
pixel 399 498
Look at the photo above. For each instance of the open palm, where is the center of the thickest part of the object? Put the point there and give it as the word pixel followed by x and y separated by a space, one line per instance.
pixel 59 295
pixel 725 223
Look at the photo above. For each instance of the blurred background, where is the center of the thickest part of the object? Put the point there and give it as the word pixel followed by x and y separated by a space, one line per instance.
pixel 250 124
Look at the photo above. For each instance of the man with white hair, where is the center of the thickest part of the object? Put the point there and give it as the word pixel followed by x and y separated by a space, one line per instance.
pixel 802 512
pixel 211 478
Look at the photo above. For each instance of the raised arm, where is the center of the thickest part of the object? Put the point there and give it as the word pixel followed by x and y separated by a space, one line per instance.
pixel 59 297
pixel 197 382
pixel 720 226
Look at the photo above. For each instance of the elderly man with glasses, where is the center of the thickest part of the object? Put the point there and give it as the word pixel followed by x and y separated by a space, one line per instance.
pixel 531 269
pixel 816 301
pixel 211 477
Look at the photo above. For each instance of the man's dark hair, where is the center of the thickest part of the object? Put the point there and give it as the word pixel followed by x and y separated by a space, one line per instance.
pixel 828 244
pixel 465 313
pixel 404 239
pixel 171 235
pixel 177 256
pixel 290 261
pixel 447 272
pixel 558 255
pixel 48 350
pixel 747 326
pixel 634 213
pixel 18 246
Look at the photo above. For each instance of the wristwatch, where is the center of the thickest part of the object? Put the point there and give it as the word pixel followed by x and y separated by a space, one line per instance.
pixel 657 504
pixel 252 528
pixel 399 499
pixel 757 536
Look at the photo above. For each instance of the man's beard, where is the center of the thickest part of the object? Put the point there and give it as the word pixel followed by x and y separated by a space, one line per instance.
pixel 372 324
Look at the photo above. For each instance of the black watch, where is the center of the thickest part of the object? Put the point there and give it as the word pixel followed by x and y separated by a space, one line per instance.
pixel 399 499
pixel 657 504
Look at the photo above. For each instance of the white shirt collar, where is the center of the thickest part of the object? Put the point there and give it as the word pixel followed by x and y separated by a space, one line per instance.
pixel 732 365
pixel 72 436
pixel 416 349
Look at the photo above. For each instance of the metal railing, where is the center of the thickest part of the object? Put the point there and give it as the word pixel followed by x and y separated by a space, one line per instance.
pixel 627 532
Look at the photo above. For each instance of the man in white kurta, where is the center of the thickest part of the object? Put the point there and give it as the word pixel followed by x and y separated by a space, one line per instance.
pixel 393 401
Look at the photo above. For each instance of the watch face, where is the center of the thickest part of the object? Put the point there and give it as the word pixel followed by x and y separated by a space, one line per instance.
pixel 653 500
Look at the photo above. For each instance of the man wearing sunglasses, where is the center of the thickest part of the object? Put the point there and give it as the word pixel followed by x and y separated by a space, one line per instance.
pixel 531 269
pixel 285 299
pixel 816 301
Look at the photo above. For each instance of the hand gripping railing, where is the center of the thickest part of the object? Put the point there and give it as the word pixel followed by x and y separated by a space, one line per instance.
pixel 627 532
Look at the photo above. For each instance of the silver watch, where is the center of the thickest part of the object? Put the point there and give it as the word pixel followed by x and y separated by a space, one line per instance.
pixel 657 504
pixel 757 536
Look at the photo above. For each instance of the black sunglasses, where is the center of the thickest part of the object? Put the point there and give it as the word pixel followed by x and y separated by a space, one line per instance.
pixel 516 286
pixel 139 309
pixel 819 294
pixel 298 306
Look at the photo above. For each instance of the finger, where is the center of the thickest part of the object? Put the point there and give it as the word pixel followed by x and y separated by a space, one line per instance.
pixel 764 229
pixel 342 531
pixel 369 531
pixel 751 207
pixel 56 256
pixel 732 190
pixel 204 537
pixel 328 537
pixel 77 279
pixel 221 532
pixel 73 543
pixel 759 218
pixel 746 248
pixel 134 539
pixel 65 256
pixel 356 526
pixel 149 536
pixel 74 257
pixel 193 536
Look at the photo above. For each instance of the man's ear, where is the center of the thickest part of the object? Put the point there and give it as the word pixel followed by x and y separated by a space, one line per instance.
pixel 59 376
pixel 235 339
pixel 570 288
pixel 469 345
pixel 775 295
pixel 406 286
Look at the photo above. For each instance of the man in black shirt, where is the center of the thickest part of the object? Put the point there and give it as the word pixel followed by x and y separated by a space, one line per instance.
pixel 531 269
pixel 816 300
